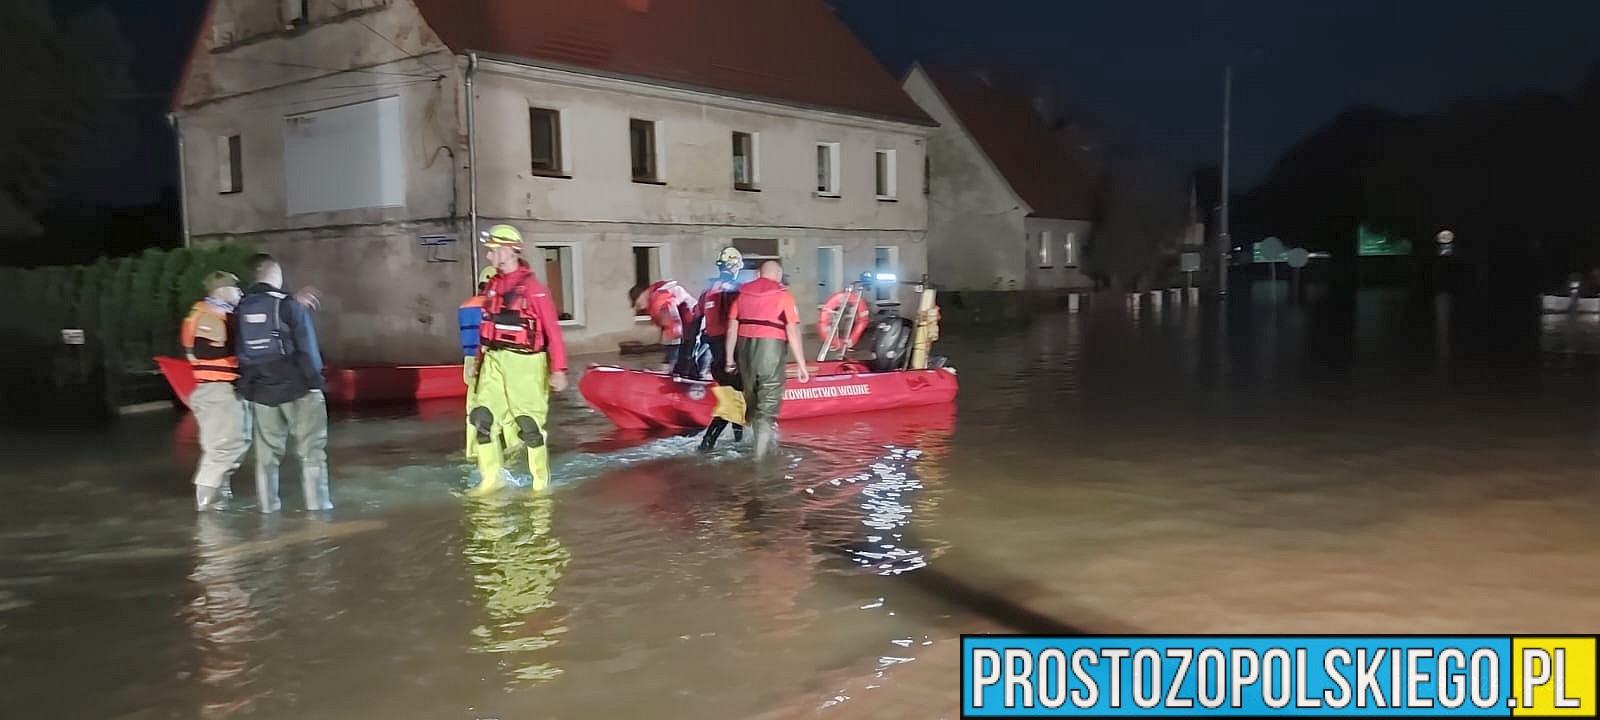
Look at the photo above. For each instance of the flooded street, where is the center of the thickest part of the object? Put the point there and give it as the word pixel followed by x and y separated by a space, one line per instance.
pixel 1384 465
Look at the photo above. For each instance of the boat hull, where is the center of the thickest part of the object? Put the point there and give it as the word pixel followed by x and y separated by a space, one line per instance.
pixel 646 400
pixel 362 386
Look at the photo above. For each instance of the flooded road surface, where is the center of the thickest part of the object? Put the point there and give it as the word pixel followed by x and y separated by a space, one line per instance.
pixel 1380 465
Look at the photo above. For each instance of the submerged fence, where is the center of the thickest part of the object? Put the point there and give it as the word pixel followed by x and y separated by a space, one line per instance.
pixel 78 338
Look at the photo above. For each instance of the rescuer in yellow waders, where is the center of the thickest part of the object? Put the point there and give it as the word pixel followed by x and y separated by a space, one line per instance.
pixel 521 357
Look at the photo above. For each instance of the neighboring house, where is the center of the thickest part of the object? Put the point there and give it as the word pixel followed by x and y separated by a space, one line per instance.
pixel 628 140
pixel 1008 208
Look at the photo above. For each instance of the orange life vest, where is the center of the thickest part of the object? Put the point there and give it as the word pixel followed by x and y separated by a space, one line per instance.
pixel 209 323
pixel 509 321
pixel 765 310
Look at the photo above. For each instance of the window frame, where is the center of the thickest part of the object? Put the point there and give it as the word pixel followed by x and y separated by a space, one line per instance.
pixel 835 176
pixel 558 147
pixel 752 162
pixel 230 164
pixel 1042 255
pixel 836 281
pixel 657 173
pixel 662 259
pixel 894 264
pixel 575 288
pixel 887 174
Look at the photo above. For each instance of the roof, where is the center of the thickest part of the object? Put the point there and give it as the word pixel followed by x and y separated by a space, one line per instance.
pixel 1030 158
pixel 792 51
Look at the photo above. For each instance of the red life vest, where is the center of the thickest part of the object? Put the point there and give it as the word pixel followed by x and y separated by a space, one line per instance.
pixel 714 305
pixel 206 322
pixel 670 307
pixel 509 322
pixel 766 310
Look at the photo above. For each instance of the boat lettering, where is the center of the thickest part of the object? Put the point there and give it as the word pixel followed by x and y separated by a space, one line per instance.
pixel 813 393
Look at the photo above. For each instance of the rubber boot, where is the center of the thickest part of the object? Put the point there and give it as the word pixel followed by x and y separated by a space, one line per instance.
pixel 738 433
pixel 489 466
pixel 472 443
pixel 713 431
pixel 314 483
pixel 765 439
pixel 209 498
pixel 539 467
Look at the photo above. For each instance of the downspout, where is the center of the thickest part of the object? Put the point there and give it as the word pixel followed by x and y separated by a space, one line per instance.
pixel 472 165
pixel 183 179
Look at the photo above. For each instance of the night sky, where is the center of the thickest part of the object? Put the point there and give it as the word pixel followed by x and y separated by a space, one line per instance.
pixel 1150 68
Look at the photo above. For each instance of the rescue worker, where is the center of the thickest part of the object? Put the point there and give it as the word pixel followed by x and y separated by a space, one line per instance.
pixel 674 312
pixel 280 373
pixel 521 356
pixel 218 411
pixel 714 305
pixel 763 323
pixel 469 317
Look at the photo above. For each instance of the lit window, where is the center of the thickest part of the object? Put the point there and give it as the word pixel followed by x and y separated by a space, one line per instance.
pixel 1069 250
pixel 885 261
pixel 1044 249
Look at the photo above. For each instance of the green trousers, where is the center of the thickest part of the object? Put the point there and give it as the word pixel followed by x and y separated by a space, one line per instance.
pixel 762 364
pixel 305 422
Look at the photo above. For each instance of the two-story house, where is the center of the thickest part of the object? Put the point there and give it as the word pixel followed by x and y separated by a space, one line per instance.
pixel 366 142
pixel 1009 208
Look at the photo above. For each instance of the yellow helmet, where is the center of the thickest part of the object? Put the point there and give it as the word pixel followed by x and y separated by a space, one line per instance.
pixel 486 275
pixel 502 236
pixel 730 261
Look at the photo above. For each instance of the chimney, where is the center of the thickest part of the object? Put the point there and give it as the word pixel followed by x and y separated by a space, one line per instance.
pixel 638 6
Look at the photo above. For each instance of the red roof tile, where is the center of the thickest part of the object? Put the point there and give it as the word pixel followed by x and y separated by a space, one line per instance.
pixel 793 51
pixel 1017 141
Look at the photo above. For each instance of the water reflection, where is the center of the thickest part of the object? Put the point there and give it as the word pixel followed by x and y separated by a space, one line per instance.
pixel 517 561
pixel 222 623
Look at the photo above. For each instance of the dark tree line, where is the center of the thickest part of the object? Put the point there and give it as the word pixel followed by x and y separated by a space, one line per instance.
pixel 1513 177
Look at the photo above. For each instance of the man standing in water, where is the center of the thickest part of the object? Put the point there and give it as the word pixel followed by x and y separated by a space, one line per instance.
pixel 222 417
pixel 521 357
pixel 715 304
pixel 764 323
pixel 280 373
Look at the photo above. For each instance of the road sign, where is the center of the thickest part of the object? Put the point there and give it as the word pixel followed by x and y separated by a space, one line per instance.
pixel 71 336
pixel 1297 258
pixel 1189 262
pixel 1269 250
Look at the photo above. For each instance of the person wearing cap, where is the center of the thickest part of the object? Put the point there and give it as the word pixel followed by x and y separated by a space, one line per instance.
pixel 469 317
pixel 521 357
pixel 220 413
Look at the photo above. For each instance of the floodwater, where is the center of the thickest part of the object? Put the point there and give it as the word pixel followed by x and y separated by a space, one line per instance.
pixel 1382 464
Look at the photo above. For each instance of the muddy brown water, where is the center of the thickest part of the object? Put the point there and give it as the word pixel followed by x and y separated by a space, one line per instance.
pixel 1389 465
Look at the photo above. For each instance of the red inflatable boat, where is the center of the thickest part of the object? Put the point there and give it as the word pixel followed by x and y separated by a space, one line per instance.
pixel 354 386
pixel 648 400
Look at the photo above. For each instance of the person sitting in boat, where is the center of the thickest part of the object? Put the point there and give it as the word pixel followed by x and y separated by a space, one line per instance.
pixel 673 311
pixel 715 303
pixel 468 319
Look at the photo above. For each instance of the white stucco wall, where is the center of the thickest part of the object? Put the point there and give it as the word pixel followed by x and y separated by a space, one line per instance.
pixel 976 229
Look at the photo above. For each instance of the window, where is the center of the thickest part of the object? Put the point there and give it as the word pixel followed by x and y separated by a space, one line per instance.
pixel 927 174
pixel 744 161
pixel 1044 249
pixel 346 158
pixel 830 271
pixel 828 169
pixel 642 137
pixel 560 272
pixel 886 179
pixel 1069 250
pixel 647 266
pixel 885 260
pixel 544 136
pixel 230 164
pixel 755 252
pixel 295 12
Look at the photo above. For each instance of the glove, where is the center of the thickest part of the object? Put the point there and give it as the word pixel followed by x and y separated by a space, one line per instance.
pixel 469 368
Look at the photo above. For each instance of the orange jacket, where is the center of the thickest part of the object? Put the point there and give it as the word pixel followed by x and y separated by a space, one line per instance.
pixel 764 309
pixel 205 337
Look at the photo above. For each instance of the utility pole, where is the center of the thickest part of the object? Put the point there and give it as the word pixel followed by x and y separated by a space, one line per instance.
pixel 1222 235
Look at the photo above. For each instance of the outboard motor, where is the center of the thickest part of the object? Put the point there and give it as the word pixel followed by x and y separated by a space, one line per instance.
pixel 888 344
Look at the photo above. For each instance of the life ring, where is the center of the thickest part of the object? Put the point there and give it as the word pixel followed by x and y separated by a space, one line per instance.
pixel 825 317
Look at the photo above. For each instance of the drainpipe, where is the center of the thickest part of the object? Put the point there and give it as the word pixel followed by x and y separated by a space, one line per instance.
pixel 472 164
pixel 183 179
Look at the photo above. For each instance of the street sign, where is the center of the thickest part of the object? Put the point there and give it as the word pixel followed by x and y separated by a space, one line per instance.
pixel 1189 262
pixel 71 336
pixel 1297 258
pixel 435 240
pixel 1269 250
